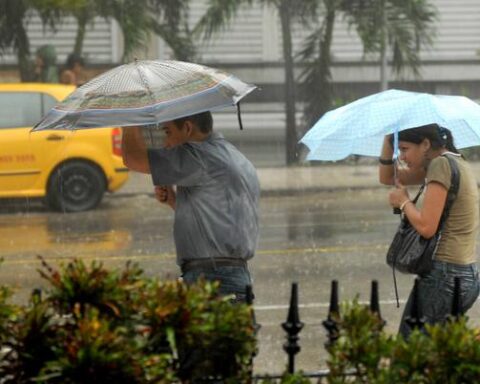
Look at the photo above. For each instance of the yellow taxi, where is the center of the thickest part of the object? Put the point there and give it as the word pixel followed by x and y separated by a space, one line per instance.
pixel 70 169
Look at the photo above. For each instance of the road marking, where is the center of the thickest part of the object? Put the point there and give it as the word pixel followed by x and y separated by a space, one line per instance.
pixel 162 256
pixel 319 305
pixel 171 255
pixel 330 249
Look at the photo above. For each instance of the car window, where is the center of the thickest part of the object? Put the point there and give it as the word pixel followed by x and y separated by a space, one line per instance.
pixel 23 109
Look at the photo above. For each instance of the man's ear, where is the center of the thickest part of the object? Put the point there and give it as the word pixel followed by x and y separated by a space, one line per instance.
pixel 188 126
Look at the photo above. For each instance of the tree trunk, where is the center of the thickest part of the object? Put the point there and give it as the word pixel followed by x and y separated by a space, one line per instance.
pixel 326 94
pixel 290 99
pixel 23 55
pixel 80 37
pixel 383 51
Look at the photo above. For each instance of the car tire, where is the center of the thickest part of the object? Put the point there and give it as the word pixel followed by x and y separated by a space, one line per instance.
pixel 75 186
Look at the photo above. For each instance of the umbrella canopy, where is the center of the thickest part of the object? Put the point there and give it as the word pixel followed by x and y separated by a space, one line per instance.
pixel 146 92
pixel 359 127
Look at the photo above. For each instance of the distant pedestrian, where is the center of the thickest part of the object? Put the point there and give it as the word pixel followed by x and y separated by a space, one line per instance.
pixel 214 190
pixel 73 71
pixel 423 150
pixel 45 70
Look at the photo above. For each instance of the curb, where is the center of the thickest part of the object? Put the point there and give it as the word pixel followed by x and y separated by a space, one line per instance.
pixel 273 192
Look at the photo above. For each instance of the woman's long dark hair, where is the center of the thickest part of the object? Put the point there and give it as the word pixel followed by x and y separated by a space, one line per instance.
pixel 439 137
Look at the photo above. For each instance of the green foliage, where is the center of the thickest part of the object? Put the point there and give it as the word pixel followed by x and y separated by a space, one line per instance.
pixel 94 352
pixel 361 345
pixel 100 326
pixel 8 313
pixel 29 342
pixel 193 322
pixel 444 353
pixel 76 285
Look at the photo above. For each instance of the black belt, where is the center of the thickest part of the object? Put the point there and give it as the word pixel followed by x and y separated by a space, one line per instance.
pixel 213 263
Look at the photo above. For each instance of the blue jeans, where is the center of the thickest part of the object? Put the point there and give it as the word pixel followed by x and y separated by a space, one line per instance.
pixel 436 292
pixel 233 279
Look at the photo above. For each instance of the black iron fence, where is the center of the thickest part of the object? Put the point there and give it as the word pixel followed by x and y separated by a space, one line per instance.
pixel 293 325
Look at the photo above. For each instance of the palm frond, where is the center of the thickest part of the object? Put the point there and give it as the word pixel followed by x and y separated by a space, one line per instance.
pixel 218 15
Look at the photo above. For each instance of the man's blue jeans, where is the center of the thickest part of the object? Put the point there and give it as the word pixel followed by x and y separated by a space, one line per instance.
pixel 436 292
pixel 233 279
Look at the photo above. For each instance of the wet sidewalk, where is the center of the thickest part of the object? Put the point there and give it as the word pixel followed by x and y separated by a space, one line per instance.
pixel 289 180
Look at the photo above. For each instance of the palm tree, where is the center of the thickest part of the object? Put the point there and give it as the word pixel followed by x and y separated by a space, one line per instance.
pixel 172 26
pixel 13 33
pixel 14 15
pixel 316 77
pixel 401 27
pixel 137 19
pixel 221 12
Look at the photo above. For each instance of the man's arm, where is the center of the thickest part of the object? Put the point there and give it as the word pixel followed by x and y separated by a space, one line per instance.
pixel 134 150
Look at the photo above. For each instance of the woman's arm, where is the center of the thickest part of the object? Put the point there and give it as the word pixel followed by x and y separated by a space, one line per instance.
pixel 386 174
pixel 425 220
pixel 134 150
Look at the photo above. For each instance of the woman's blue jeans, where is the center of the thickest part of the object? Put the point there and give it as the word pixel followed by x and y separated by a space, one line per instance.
pixel 436 292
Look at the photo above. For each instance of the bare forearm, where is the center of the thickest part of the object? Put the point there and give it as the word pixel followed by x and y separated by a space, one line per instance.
pixel 134 150
pixel 385 171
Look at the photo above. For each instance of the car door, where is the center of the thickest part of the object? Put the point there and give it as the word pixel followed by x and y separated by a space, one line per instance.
pixel 25 155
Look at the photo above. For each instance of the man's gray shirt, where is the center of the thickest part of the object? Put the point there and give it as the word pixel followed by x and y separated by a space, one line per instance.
pixel 218 191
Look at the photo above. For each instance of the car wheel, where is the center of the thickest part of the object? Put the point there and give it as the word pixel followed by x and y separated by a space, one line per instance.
pixel 76 186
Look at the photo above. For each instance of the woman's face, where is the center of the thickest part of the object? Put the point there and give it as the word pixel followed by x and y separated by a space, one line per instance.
pixel 413 155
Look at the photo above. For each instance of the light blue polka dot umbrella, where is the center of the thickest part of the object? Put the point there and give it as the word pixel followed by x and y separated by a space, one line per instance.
pixel 358 128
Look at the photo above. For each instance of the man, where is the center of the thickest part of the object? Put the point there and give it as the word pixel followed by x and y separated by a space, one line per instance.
pixel 214 190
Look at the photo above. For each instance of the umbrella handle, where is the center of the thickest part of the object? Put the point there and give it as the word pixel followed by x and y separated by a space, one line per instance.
pixel 396 211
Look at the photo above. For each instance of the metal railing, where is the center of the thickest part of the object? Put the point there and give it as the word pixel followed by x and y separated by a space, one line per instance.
pixel 293 325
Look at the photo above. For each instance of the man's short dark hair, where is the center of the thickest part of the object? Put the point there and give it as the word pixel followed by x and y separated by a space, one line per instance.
pixel 203 121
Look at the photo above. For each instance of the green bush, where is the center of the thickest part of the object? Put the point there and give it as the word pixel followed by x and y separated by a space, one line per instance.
pixel 444 353
pixel 98 326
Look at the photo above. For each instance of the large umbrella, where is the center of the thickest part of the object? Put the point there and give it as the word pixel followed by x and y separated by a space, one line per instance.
pixel 359 127
pixel 146 93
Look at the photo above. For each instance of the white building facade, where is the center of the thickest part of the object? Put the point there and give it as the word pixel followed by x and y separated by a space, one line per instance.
pixel 251 48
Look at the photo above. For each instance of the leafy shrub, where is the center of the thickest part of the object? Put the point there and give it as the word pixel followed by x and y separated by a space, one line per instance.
pixel 29 341
pixel 444 353
pixel 100 326
pixel 94 352
pixel 76 285
pixel 194 322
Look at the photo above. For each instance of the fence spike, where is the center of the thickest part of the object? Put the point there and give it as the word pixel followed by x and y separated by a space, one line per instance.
pixel 374 300
pixel 331 324
pixel 249 294
pixel 292 327
pixel 375 303
pixel 457 299
pixel 36 295
pixel 415 319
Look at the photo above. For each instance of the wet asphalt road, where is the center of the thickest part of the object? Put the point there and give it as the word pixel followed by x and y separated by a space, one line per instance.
pixel 308 238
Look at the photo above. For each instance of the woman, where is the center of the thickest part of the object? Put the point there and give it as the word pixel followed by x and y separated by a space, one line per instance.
pixel 423 150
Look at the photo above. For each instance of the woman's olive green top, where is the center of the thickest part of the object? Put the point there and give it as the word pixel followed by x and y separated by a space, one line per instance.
pixel 458 241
